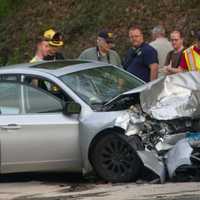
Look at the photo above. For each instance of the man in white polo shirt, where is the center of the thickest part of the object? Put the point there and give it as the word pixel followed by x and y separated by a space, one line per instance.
pixel 162 45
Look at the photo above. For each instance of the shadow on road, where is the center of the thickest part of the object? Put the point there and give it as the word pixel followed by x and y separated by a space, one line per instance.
pixel 46 177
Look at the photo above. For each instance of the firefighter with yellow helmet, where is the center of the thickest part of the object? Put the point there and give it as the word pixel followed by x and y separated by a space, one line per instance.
pixel 49 46
pixel 56 42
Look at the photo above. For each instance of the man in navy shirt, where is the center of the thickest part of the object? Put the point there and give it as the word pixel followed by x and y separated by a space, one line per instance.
pixel 141 60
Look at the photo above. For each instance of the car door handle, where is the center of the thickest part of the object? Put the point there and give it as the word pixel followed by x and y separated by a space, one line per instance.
pixel 10 127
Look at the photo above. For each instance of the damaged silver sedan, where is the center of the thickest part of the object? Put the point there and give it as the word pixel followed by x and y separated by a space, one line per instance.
pixel 59 116
pixel 81 116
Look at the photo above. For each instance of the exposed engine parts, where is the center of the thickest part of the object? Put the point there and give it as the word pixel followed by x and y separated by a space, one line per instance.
pixel 161 138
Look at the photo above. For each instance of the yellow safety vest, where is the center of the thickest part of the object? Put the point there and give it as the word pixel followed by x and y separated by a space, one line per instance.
pixel 35 59
pixel 192 59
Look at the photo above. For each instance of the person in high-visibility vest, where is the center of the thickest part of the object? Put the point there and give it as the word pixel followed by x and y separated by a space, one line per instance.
pixel 190 59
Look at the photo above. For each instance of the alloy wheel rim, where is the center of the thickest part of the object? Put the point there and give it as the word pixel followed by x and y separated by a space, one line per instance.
pixel 116 158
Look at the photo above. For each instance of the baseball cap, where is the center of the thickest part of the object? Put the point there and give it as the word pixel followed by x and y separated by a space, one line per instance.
pixel 54 38
pixel 108 36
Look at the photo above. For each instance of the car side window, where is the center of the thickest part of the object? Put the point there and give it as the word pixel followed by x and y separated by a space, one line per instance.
pixel 9 77
pixel 38 101
pixel 10 98
pixel 47 86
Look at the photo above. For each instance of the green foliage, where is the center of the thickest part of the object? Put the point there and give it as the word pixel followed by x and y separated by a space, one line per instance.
pixel 8 6
pixel 91 15
pixel 4 7
pixel 79 20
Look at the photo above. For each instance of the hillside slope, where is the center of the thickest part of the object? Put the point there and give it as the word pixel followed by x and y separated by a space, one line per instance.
pixel 79 20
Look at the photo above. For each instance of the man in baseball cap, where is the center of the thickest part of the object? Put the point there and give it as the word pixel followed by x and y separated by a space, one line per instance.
pixel 108 36
pixel 102 52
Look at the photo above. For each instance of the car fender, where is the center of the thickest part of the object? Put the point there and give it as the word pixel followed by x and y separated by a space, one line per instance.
pixel 151 161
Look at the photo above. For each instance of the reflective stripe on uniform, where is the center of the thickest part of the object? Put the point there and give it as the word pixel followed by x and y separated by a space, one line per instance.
pixel 35 59
pixel 192 59
pixel 197 60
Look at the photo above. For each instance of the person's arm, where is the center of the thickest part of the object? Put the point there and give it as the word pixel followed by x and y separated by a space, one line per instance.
pixel 153 71
pixel 151 60
pixel 83 55
pixel 174 70
pixel 126 61
pixel 168 69
pixel 168 63
pixel 118 59
pixel 181 68
pixel 115 58
pixel 168 60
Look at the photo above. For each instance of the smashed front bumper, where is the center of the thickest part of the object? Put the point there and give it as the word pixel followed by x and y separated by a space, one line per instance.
pixel 165 115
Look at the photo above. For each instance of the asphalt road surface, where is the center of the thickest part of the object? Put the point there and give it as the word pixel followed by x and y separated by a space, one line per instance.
pixel 73 186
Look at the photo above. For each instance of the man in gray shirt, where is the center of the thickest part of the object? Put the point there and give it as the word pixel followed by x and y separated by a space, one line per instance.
pixel 102 52
pixel 162 46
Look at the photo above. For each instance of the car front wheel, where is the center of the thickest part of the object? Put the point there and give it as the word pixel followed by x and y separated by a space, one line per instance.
pixel 114 159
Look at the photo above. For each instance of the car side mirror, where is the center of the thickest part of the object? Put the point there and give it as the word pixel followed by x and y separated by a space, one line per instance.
pixel 71 108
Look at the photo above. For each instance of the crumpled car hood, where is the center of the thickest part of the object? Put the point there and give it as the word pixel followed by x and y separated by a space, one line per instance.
pixel 166 99
pixel 172 97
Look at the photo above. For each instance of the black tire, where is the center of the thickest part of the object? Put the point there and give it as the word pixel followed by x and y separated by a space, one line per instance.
pixel 114 159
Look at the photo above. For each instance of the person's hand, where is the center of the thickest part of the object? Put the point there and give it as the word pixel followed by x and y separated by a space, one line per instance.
pixel 168 69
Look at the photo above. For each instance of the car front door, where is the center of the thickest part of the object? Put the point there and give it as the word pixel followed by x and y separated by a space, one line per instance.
pixel 34 133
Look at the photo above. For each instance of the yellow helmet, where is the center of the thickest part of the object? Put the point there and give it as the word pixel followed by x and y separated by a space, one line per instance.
pixel 54 38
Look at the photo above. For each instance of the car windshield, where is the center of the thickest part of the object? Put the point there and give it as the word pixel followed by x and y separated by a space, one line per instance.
pixel 97 86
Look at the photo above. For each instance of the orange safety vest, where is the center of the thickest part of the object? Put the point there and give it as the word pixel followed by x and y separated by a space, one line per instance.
pixel 192 59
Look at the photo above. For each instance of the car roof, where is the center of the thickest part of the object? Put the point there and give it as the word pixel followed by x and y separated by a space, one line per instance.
pixel 56 68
